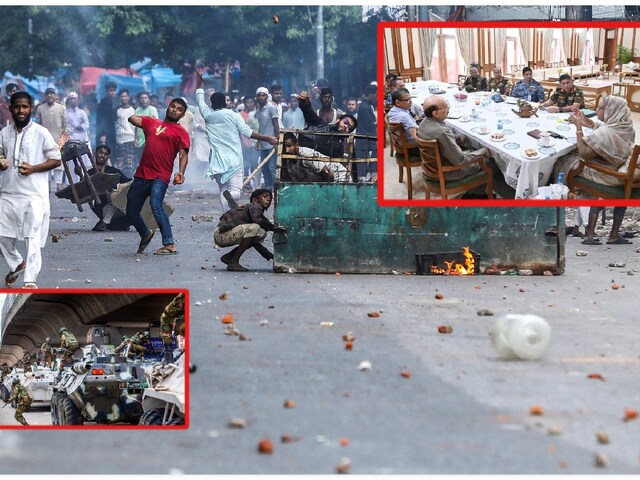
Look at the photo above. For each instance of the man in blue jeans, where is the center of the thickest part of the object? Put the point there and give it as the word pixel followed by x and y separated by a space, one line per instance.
pixel 164 140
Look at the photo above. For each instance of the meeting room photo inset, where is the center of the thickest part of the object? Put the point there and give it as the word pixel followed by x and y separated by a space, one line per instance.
pixel 94 359
pixel 509 114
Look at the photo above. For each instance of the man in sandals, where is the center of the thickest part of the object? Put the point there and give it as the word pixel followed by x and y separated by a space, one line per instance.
pixel 164 140
pixel 27 153
pixel 245 226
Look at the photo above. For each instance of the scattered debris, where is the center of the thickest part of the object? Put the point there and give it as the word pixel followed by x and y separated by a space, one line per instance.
pixel 439 296
pixel 87 280
pixel 198 303
pixel 289 404
pixel 483 312
pixel 555 430
pixel 581 253
pixel 344 466
pixel 265 446
pixel 364 365
pixel 192 367
pixel 630 414
pixel 405 374
pixel 224 296
pixel 373 314
pixel 109 239
pixel 522 290
pixel 615 286
pixel 547 273
pixel 75 219
pixel 228 318
pixel 601 460
pixel 343 442
pixel 137 259
pixel 326 324
pixel 231 330
pixel 525 272
pixel 595 376
pixel 237 423
pixel 445 329
pixel 618 264
pixel 264 322
pixel 602 438
pixel 55 238
pixel 202 218
pixel 284 438
pixel 536 410
pixel 242 338
pixel 348 346
pixel 348 337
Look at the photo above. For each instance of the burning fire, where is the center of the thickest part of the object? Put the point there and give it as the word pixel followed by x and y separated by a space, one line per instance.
pixel 455 268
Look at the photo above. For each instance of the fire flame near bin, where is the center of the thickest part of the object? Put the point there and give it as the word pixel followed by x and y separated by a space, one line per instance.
pixel 448 263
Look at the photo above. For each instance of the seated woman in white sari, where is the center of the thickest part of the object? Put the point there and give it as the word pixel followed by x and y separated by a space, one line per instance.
pixel 610 143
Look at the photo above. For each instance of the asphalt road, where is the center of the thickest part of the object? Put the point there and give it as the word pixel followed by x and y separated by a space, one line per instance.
pixel 463 409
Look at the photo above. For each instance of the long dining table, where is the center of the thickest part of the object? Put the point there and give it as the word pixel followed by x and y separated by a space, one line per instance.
pixel 523 172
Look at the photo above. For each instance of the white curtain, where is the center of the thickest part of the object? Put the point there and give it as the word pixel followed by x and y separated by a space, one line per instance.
pixel 526 35
pixel 428 43
pixel 465 37
pixel 547 40
pixel 581 40
pixel 566 42
pixel 500 39
pixel 597 52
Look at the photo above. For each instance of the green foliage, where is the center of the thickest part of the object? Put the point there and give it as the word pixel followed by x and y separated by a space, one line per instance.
pixel 625 55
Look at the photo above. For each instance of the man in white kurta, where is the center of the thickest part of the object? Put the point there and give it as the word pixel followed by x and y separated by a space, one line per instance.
pixel 27 153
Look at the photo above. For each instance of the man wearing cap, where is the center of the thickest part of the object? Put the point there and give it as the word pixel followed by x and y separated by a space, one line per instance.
pixel 267 117
pixel 53 116
pixel 224 127
pixel 77 120
pixel 293 117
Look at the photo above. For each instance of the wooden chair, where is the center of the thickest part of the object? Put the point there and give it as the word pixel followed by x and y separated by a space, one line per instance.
pixel 404 159
pixel 461 79
pixel 629 188
pixel 592 101
pixel 434 172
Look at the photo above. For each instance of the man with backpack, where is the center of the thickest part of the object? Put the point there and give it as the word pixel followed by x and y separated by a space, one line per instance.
pixel 69 343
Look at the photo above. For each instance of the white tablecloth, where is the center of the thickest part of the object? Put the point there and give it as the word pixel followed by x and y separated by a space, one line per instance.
pixel 524 174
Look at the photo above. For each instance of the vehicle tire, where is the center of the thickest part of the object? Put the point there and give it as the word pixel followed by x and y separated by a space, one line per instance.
pixel 176 421
pixel 69 413
pixel 55 408
pixel 152 417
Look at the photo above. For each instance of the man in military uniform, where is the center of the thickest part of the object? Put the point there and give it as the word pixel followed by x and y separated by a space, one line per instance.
pixel 69 343
pixel 47 355
pixel 6 370
pixel 137 344
pixel 22 398
pixel 26 361
pixel 171 321
pixel 123 345
pixel 566 96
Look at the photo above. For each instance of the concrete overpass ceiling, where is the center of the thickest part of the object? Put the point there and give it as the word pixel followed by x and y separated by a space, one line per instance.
pixel 30 320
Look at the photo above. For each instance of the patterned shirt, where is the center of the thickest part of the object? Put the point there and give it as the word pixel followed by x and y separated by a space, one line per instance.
pixel 250 213
pixel 522 90
pixel 472 84
pixel 563 99
pixel 501 84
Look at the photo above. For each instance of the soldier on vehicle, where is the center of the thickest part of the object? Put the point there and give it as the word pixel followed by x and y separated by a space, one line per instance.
pixel 6 370
pixel 137 344
pixel 172 321
pixel 26 361
pixel 123 345
pixel 68 343
pixel 23 400
pixel 47 354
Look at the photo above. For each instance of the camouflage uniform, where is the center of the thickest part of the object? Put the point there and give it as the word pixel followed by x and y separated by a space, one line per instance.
pixel 48 355
pixel 137 345
pixel 172 319
pixel 23 400
pixel 26 361
pixel 6 370
pixel 123 345
pixel 69 343
pixel 563 99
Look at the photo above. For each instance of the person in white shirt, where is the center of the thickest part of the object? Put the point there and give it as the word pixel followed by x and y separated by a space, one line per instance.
pixel 27 153
pixel 293 118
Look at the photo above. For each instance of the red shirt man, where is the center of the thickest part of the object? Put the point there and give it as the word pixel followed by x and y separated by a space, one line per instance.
pixel 163 141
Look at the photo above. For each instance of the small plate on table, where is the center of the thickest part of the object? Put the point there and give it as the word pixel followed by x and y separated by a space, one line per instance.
pixel 551 143
pixel 530 156
pixel 465 121
pixel 512 146
pixel 497 139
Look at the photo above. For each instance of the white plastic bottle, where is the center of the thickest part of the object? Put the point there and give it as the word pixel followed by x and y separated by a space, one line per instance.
pixel 521 336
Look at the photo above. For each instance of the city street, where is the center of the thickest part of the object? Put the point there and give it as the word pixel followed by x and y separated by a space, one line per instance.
pixel 431 403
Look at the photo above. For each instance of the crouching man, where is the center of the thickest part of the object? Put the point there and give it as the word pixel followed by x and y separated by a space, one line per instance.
pixel 246 227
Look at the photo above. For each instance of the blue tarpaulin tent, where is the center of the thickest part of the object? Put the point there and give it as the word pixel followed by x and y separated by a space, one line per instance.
pixel 135 85
pixel 160 77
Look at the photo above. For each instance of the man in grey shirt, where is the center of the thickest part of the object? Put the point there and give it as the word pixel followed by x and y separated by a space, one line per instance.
pixel 267 116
